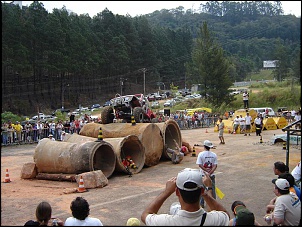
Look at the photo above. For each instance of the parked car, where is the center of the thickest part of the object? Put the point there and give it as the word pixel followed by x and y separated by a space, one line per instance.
pixel 60 110
pixel 189 97
pixel 158 97
pixel 151 97
pixel 282 111
pixel 261 110
pixel 164 96
pixel 235 93
pixel 169 103
pixel 107 103
pixel 155 105
pixel 95 106
pixel 41 116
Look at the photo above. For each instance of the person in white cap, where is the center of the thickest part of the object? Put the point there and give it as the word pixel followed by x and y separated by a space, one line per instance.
pixel 50 136
pixel 286 209
pixel 207 162
pixel 189 186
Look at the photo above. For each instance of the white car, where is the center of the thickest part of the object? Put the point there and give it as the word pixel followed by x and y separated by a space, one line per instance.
pixel 41 116
pixel 169 103
pixel 189 97
pixel 197 96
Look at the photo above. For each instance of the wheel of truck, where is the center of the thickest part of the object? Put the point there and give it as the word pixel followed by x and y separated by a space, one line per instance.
pixel 138 114
pixel 107 115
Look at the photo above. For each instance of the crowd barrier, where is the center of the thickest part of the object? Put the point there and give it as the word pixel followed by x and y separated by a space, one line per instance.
pixel 33 136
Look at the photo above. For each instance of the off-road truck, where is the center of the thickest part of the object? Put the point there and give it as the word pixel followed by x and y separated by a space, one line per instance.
pixel 123 107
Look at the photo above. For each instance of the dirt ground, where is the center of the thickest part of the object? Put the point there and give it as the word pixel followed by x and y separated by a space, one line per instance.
pixel 245 171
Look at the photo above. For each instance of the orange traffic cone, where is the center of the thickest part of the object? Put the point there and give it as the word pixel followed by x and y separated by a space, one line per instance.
pixel 81 186
pixel 7 179
pixel 206 130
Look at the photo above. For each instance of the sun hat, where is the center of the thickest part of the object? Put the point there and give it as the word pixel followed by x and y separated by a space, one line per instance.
pixel 191 176
pixel 208 143
pixel 281 183
pixel 133 222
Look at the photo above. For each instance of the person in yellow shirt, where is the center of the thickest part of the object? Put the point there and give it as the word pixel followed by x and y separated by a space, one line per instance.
pixel 18 129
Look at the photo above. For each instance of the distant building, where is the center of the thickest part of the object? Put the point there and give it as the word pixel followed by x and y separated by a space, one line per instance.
pixel 270 64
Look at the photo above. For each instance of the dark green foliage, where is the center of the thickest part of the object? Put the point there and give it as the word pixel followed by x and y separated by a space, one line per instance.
pixel 211 68
pixel 44 52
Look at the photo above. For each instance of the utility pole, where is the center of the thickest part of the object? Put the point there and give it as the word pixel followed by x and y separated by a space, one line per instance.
pixel 63 90
pixel 122 84
pixel 144 71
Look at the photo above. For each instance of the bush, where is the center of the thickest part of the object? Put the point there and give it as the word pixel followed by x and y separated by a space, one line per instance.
pixel 9 116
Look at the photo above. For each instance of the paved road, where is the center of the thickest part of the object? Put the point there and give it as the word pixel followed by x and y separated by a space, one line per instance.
pixel 244 172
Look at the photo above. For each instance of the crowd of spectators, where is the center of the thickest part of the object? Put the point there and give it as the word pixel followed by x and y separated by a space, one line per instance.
pixel 187 121
pixel 15 133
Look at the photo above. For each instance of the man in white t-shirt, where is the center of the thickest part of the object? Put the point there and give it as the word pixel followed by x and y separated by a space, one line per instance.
pixel 236 123
pixel 245 97
pixel 207 162
pixel 189 186
pixel 287 207
pixel 242 124
pixel 248 122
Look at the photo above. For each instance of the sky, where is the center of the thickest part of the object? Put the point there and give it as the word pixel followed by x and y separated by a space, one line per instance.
pixel 134 8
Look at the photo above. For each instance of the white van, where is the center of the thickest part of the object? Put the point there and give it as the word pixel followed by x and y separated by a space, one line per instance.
pixel 261 110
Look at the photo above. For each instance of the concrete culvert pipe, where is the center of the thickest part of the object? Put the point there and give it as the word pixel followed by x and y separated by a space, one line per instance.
pixel 129 146
pixel 170 130
pixel 148 133
pixel 68 157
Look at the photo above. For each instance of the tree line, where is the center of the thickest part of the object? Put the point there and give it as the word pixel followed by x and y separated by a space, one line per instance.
pixel 47 57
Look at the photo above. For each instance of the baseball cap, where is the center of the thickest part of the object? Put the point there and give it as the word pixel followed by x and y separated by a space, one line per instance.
pixel 208 143
pixel 289 177
pixel 281 183
pixel 244 216
pixel 191 176
pixel 133 222
pixel 50 135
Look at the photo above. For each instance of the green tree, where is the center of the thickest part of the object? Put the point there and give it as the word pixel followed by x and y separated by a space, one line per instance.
pixel 211 68
pixel 283 65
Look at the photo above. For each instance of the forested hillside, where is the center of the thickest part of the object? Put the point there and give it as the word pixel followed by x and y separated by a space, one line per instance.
pixel 50 56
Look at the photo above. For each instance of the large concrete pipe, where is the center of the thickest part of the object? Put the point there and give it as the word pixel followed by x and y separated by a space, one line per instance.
pixel 122 146
pixel 148 133
pixel 170 131
pixel 65 157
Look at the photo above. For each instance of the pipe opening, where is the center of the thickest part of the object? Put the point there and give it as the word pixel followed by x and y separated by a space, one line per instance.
pixel 170 132
pixel 104 159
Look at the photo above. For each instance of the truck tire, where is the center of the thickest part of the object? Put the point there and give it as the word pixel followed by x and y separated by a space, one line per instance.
pixel 138 114
pixel 107 115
